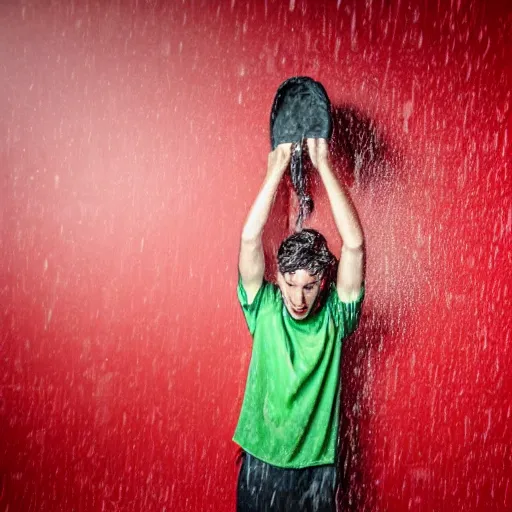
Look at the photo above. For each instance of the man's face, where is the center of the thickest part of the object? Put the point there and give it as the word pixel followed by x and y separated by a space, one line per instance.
pixel 299 290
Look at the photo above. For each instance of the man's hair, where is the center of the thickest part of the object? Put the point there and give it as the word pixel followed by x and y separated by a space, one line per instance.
pixel 306 250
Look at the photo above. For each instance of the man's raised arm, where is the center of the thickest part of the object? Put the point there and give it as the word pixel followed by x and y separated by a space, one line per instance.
pixel 351 267
pixel 251 263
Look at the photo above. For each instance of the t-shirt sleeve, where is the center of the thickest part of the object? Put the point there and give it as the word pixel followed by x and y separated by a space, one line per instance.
pixel 251 310
pixel 346 314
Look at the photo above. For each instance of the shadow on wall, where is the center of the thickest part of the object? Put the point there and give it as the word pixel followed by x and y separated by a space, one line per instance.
pixel 356 491
pixel 358 141
pixel 363 157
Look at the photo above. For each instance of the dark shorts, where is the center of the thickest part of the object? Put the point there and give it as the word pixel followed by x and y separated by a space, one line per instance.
pixel 263 487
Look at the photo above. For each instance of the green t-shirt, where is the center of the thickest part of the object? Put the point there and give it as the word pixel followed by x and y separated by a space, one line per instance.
pixel 290 412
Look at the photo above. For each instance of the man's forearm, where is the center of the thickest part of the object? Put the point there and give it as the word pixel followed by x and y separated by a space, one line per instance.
pixel 343 211
pixel 260 210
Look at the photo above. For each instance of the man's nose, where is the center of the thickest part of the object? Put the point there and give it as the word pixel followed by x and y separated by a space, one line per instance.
pixel 298 298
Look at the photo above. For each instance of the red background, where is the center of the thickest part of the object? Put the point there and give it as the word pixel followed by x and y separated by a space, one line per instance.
pixel 133 138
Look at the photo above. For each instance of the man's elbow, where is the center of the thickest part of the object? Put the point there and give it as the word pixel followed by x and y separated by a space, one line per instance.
pixel 251 239
pixel 354 246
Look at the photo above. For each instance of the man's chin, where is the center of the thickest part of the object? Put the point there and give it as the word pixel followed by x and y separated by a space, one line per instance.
pixel 298 315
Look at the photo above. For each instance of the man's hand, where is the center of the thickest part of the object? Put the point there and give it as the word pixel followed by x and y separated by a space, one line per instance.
pixel 318 150
pixel 279 159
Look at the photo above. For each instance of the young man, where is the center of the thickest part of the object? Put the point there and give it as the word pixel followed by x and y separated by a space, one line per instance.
pixel 288 425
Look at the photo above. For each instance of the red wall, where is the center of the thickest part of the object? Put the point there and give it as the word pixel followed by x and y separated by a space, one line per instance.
pixel 133 138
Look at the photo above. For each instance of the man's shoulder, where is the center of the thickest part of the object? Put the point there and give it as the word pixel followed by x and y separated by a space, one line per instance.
pixel 271 290
pixel 267 293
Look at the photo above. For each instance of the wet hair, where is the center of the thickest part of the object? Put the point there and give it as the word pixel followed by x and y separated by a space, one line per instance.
pixel 306 250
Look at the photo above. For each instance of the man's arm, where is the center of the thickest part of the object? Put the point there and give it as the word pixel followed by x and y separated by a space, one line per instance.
pixel 251 263
pixel 351 267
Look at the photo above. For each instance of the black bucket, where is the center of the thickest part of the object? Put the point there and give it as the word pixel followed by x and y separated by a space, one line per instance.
pixel 301 110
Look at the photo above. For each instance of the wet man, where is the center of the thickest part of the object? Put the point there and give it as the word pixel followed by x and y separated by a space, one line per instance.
pixel 288 425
